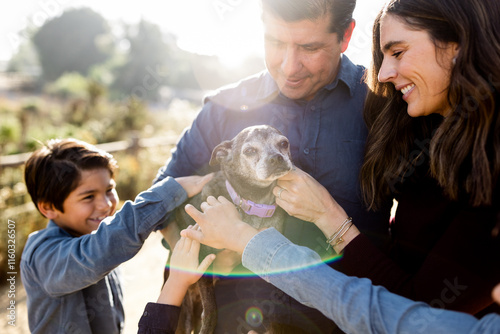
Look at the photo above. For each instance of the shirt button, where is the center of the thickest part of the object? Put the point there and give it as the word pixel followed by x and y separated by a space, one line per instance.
pixel 313 108
pixel 306 151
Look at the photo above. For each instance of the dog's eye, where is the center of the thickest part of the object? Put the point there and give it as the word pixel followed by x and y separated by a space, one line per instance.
pixel 284 144
pixel 250 151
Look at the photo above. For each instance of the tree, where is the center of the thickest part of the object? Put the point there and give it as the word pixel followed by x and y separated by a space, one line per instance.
pixel 145 68
pixel 72 42
pixel 25 61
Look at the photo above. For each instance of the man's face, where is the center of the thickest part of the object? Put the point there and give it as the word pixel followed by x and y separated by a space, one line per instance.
pixel 302 56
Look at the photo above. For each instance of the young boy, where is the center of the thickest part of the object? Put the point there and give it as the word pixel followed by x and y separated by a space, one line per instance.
pixel 68 268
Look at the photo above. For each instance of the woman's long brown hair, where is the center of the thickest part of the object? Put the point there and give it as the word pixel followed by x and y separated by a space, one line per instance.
pixel 464 147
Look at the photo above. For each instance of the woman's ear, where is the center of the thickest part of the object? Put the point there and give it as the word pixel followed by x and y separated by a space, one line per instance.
pixel 48 210
pixel 455 50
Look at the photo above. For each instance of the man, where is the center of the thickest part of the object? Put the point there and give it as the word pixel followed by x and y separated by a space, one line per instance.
pixel 314 95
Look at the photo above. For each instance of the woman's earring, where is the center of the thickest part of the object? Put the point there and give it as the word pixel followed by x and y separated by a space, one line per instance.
pixel 454 60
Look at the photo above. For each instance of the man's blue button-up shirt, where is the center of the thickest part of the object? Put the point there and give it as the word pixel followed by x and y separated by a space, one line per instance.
pixel 327 136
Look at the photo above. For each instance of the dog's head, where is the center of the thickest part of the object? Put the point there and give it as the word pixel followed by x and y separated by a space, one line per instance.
pixel 258 156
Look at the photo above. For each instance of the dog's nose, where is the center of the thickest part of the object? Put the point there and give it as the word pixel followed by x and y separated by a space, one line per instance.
pixel 276 159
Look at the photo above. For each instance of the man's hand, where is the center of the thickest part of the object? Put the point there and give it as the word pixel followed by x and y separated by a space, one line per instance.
pixel 301 196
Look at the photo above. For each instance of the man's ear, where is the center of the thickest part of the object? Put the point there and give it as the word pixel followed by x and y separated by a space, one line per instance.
pixel 48 210
pixel 347 36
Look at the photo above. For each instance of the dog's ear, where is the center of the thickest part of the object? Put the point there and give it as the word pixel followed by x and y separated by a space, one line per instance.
pixel 221 152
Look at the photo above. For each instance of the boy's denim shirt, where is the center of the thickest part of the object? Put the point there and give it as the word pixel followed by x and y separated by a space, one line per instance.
pixel 71 282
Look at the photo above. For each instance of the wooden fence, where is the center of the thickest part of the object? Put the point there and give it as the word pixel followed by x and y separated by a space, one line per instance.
pixel 132 145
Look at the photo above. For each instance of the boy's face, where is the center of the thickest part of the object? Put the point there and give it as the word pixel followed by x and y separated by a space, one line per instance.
pixel 93 200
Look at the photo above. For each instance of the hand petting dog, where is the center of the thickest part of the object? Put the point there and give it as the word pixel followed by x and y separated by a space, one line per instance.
pixel 296 192
pixel 301 196
pixel 220 225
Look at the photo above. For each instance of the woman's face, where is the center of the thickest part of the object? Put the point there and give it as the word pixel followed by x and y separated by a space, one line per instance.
pixel 416 68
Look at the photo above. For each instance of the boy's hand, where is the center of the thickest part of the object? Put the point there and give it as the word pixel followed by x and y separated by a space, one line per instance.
pixel 193 184
pixel 185 270
pixel 184 262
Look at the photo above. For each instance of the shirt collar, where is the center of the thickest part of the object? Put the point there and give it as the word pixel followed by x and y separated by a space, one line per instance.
pixel 52 224
pixel 268 90
pixel 347 74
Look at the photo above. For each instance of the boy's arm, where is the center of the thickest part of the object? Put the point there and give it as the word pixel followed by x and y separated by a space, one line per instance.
pixel 63 264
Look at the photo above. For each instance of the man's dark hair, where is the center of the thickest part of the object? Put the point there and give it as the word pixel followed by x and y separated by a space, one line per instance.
pixel 340 11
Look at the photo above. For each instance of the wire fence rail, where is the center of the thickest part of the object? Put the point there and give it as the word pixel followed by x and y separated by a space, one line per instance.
pixel 134 144
pixel 16 161
pixel 138 158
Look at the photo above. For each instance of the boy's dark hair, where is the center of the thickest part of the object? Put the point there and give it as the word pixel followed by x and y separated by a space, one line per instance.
pixel 54 171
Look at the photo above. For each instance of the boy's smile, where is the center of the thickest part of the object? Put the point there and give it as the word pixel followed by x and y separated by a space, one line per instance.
pixel 93 200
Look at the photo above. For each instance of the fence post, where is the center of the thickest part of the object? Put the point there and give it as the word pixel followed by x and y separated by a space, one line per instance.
pixel 134 144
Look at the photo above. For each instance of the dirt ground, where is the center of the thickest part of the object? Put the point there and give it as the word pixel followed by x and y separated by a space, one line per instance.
pixel 142 279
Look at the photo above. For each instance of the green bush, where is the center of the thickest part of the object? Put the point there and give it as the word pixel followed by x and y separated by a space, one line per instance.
pixel 10 131
pixel 69 85
pixel 47 118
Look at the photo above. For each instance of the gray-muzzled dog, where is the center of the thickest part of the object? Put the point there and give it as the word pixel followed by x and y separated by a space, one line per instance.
pixel 250 165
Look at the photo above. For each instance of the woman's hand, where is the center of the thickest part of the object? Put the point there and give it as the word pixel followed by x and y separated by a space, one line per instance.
pixel 220 225
pixel 193 184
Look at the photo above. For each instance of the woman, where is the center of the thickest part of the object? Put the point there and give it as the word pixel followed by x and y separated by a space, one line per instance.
pixel 434 145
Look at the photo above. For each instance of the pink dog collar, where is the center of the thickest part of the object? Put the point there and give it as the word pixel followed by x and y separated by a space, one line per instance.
pixel 249 207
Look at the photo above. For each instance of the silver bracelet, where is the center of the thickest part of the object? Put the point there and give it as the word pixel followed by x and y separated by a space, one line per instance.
pixel 336 237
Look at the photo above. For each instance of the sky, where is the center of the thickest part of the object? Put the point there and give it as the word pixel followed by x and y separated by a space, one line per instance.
pixel 229 29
